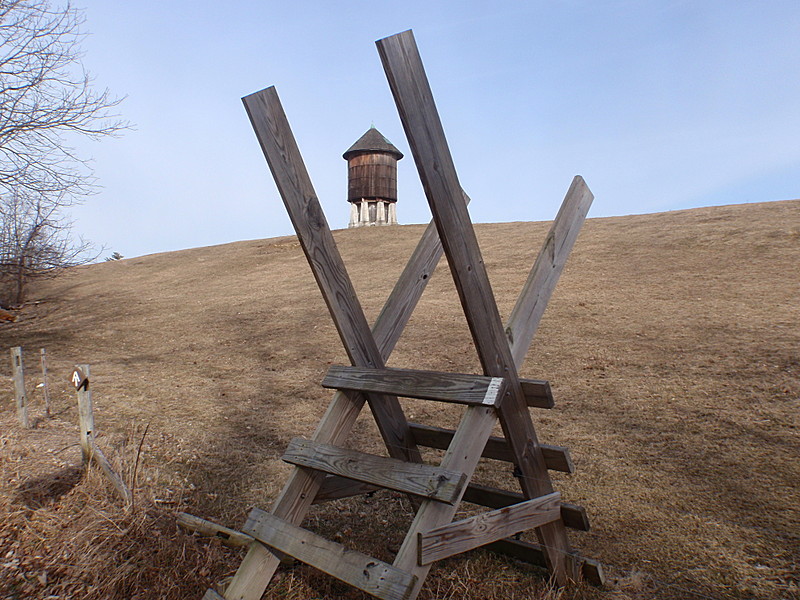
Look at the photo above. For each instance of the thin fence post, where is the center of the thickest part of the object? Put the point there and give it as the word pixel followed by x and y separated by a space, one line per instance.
pixel 45 389
pixel 89 449
pixel 80 379
pixel 18 372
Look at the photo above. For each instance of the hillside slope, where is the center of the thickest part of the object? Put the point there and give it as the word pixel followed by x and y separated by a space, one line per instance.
pixel 671 344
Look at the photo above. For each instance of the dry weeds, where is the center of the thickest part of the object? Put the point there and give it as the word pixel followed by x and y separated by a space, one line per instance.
pixel 671 345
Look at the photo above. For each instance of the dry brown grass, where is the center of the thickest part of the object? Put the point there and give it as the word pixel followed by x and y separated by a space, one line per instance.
pixel 671 344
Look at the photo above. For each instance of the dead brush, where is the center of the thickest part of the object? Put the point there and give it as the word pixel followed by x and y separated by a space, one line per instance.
pixel 88 546
pixel 84 542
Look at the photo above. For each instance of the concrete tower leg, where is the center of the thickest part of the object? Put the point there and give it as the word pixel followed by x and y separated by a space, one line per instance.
pixel 353 215
pixel 381 210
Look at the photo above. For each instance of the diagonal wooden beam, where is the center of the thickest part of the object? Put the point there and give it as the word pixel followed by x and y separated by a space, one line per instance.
pixel 294 501
pixel 487 527
pixel 528 311
pixel 409 287
pixel 295 187
pixel 423 128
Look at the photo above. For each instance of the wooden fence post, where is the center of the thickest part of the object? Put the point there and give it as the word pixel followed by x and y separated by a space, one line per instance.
pixel 89 449
pixel 80 379
pixel 45 389
pixel 18 372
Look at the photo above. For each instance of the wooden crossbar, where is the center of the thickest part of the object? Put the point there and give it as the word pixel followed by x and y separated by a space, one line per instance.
pixel 229 537
pixel 375 577
pixel 537 393
pixel 556 458
pixel 572 515
pixel 426 385
pixel 473 532
pixel 419 479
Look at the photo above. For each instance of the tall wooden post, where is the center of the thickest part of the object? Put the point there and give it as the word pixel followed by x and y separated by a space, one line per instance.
pixel 18 373
pixel 420 118
pixel 80 379
pixel 45 389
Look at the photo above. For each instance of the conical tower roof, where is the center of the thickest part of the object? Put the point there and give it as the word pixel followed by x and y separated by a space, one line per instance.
pixel 372 141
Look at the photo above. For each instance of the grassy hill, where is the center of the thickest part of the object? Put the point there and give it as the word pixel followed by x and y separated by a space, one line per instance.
pixel 671 343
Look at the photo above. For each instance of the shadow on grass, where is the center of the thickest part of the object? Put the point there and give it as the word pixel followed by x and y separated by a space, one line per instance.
pixel 47 489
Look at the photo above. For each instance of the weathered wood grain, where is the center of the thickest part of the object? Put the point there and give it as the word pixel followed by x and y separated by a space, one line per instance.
pixel 462 455
pixel 409 287
pixel 421 480
pixel 423 128
pixel 556 458
pixel 85 415
pixel 202 527
pixel 295 187
pixel 259 565
pixel 375 577
pixel 574 516
pixel 410 383
pixel 479 530
pixel 538 288
pixel 18 375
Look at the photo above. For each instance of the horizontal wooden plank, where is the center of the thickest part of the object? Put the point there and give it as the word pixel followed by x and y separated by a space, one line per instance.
pixel 229 537
pixel 556 458
pixel 373 576
pixel 591 570
pixel 574 516
pixel 414 478
pixel 488 527
pixel 537 393
pixel 426 385
pixel 212 595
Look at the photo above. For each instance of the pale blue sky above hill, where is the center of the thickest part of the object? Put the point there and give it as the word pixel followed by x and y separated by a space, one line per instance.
pixel 659 105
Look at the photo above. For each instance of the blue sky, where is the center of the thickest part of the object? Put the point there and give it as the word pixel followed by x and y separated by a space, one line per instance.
pixel 659 105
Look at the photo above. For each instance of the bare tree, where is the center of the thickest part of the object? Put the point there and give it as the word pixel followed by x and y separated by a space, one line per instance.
pixel 46 98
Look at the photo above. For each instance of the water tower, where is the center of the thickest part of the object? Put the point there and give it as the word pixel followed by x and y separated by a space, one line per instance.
pixel 372 180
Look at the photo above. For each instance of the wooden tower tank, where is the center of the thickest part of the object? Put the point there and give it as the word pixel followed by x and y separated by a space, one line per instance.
pixel 372 180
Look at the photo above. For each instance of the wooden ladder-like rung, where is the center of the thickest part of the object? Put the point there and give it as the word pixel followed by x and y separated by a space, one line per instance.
pixel 425 385
pixel 556 458
pixel 473 532
pixel 371 575
pixel 433 385
pixel 426 481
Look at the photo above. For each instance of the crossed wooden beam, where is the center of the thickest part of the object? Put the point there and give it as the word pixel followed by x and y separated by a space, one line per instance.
pixel 497 394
